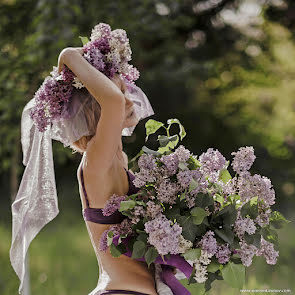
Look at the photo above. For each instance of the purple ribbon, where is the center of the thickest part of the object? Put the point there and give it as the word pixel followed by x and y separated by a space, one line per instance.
pixel 167 274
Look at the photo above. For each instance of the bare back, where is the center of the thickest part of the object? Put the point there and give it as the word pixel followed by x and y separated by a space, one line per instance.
pixel 115 273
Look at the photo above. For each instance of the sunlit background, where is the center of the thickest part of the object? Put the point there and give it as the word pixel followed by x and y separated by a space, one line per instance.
pixel 224 68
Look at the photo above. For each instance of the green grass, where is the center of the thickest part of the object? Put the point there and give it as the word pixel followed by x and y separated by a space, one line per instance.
pixel 63 262
pixel 61 259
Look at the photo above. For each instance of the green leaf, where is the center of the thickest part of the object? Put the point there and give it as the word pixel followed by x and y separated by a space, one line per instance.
pixel 193 288
pixel 143 236
pixel 164 140
pixel 142 203
pixel 253 201
pixel 172 213
pixel 126 205
pixel 226 210
pixel 110 238
pixel 182 132
pixel 198 215
pixel 189 229
pixel 192 185
pixel 203 200
pixel 219 199
pixel 151 255
pixel 151 127
pixel 182 166
pixel 270 235
pixel 193 163
pixel 149 151
pixel 224 175
pixel 171 145
pixel 117 251
pixel 226 234
pixel 213 266
pixel 138 249
pixel 277 220
pixel 192 254
pixel 253 239
pixel 234 274
pixel 84 40
pixel 248 209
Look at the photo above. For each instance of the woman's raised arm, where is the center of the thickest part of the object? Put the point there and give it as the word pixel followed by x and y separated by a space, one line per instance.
pixel 100 86
pixel 103 147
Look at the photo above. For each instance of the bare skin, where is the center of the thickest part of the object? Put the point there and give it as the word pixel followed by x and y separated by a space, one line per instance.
pixel 103 166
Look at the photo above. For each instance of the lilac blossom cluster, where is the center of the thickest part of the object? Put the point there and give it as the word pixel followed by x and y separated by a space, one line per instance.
pixel 49 101
pixel 167 177
pixel 123 228
pixel 108 51
pixel 243 225
pixel 113 204
pixel 163 236
pixel 266 249
pixel 243 159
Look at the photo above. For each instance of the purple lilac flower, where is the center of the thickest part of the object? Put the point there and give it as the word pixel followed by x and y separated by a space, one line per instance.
pixel 184 177
pixel 200 177
pixel 230 187
pixel 102 30
pixel 190 201
pixel 147 161
pixel 171 162
pixel 246 253
pixel 95 58
pixel 118 229
pixel 212 161
pixel 67 74
pixel 268 251
pixel 208 242
pixel 243 159
pixel 103 246
pixel 153 210
pixel 138 211
pixel 113 204
pixel 49 100
pixel 130 73
pixel 163 236
pixel 120 35
pixel 256 185
pixel 142 177
pixel 182 153
pixel 167 191
pixel 205 257
pixel 243 225
pixel 201 272
pixel 223 253
pixel 263 217
pixel 184 244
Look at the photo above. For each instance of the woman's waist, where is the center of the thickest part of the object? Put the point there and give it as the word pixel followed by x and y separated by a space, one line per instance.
pixel 130 280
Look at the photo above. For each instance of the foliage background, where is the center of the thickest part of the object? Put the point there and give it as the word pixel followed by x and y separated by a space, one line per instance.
pixel 224 68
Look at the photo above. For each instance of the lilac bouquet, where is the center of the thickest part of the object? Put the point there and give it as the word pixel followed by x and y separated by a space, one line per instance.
pixel 191 214
pixel 108 51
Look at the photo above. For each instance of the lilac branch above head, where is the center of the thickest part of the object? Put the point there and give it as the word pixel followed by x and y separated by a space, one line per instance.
pixel 108 51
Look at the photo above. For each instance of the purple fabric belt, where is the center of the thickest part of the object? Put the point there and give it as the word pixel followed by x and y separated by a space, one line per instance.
pixel 95 215
pixel 167 274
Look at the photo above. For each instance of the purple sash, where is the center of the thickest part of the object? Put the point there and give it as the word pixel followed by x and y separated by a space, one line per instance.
pixel 167 274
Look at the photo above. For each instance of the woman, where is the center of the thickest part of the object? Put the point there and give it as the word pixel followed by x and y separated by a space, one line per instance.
pixel 102 170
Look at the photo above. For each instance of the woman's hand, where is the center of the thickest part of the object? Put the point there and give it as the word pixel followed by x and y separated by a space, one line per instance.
pixel 65 53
